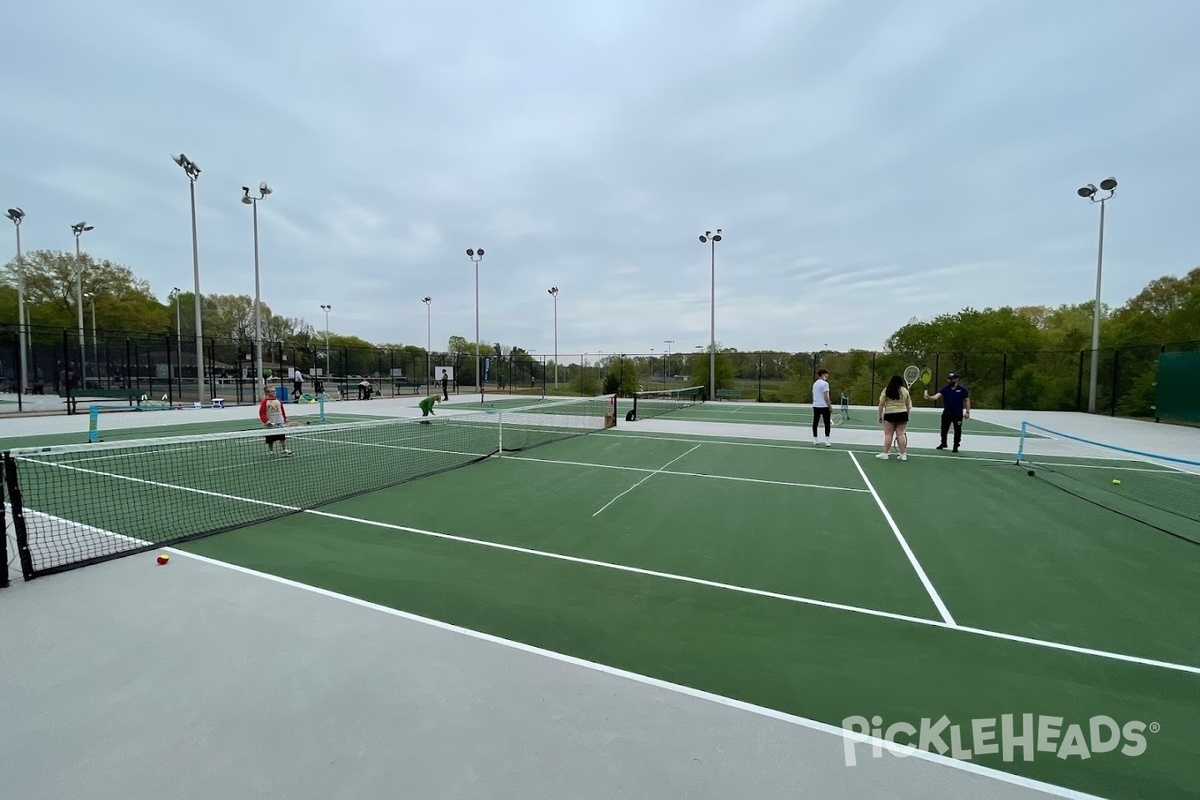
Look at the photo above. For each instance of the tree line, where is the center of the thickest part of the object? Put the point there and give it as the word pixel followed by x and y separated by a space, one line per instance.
pixel 1016 356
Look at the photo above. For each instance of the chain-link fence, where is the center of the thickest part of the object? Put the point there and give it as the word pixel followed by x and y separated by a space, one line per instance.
pixel 122 368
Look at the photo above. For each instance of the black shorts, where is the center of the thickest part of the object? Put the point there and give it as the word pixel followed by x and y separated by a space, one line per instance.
pixel 276 437
pixel 896 418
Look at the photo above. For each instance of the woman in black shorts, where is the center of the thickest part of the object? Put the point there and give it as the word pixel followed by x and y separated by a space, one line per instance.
pixel 894 405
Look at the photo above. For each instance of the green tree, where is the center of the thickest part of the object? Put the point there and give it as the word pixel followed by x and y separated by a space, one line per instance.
pixel 122 300
pixel 698 364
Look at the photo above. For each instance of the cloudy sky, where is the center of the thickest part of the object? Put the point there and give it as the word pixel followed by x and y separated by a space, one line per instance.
pixel 867 161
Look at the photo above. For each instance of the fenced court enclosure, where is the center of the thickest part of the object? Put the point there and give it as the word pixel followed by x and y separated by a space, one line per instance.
pixel 1023 614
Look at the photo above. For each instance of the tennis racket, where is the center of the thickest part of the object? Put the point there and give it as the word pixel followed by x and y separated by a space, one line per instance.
pixel 842 415
pixel 911 375
pixel 926 376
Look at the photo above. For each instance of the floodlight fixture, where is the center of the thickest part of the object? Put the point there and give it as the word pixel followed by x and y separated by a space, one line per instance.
pixel 16 215
pixel 1086 191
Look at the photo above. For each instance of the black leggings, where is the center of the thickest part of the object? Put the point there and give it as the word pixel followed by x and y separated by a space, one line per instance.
pixel 820 413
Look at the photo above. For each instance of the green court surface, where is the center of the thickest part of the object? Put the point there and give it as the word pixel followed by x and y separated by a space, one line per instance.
pixel 823 583
pixel 758 572
pixel 861 418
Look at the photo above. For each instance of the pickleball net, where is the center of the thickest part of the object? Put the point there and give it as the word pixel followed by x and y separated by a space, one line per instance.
pixel 75 505
pixel 1162 492
pixel 656 403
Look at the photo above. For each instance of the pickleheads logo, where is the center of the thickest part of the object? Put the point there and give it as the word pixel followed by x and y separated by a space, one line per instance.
pixel 1009 736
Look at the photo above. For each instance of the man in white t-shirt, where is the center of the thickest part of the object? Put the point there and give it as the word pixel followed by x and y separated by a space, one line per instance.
pixel 822 407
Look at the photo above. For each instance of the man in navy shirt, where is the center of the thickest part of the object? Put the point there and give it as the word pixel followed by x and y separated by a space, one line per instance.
pixel 956 406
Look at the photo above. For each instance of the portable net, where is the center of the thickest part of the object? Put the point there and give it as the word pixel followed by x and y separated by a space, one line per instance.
pixel 657 403
pixel 1160 491
pixel 75 505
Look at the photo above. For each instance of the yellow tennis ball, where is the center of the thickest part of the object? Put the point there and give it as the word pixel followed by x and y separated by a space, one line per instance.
pixel 1116 481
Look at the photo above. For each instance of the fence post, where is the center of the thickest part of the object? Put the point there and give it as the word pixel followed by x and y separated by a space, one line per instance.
pixel 1116 369
pixel 1004 382
pixel 760 378
pixel 1079 385
pixel 170 382
pixel 68 373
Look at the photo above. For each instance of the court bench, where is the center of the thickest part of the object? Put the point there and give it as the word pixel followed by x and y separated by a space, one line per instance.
pixel 729 394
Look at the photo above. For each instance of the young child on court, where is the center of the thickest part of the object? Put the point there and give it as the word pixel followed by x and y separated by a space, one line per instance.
pixel 426 407
pixel 273 415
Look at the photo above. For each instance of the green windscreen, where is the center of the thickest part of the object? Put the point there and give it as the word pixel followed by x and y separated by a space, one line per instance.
pixel 1179 386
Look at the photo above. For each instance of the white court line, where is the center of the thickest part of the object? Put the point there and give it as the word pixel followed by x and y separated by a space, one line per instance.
pixel 912 559
pixel 687 474
pixel 1070 648
pixel 648 477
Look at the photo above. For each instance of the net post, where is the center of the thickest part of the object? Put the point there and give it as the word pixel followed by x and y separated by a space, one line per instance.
pixel 1021 442
pixel 18 517
pixel 499 433
pixel 93 422
pixel 4 534
pixel 321 405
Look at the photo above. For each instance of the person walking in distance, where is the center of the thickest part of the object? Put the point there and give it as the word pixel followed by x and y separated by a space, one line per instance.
pixel 445 386
pixel 822 407
pixel 272 414
pixel 297 384
pixel 894 406
pixel 956 406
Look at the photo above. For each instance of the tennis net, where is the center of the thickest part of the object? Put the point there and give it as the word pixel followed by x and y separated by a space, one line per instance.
pixel 665 401
pixel 74 505
pixel 1160 491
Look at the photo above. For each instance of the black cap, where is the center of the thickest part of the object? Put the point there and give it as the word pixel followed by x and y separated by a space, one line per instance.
pixel 952 376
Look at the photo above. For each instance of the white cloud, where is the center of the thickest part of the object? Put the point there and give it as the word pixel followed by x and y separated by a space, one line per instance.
pixel 865 167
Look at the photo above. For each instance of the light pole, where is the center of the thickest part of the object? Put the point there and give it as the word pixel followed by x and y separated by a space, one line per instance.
pixel 328 367
pixel 193 172
pixel 476 255
pixel 263 191
pixel 428 301
pixel 95 347
pixel 553 290
pixel 80 228
pixel 713 238
pixel 1089 192
pixel 667 370
pixel 178 341
pixel 16 215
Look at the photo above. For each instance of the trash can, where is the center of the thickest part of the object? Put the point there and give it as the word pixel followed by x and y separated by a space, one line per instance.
pixel 282 393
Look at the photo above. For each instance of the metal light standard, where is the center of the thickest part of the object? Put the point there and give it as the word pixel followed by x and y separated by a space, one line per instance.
pixel 553 290
pixel 328 366
pixel 80 228
pixel 428 301
pixel 193 172
pixel 476 255
pixel 710 237
pixel 1089 192
pixel 16 215
pixel 263 191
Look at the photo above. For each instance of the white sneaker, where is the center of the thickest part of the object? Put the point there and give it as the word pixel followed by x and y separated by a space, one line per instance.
pixel 904 456
pixel 827 444
pixel 884 456
pixel 816 442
